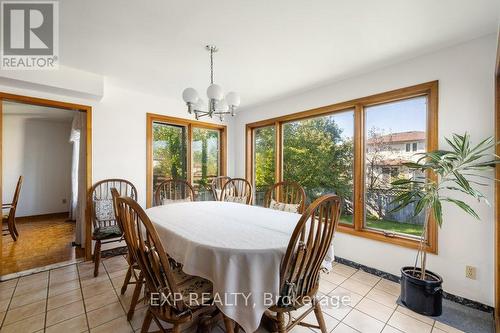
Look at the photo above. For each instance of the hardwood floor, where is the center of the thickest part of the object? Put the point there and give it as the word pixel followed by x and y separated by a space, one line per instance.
pixel 43 241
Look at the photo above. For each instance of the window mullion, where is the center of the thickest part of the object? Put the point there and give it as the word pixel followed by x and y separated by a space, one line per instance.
pixel 188 152
pixel 359 155
pixel 278 160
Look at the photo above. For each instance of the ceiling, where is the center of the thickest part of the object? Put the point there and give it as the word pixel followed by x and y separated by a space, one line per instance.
pixel 268 49
pixel 37 112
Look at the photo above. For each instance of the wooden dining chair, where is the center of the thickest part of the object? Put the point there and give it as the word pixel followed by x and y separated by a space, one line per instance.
pixel 10 217
pixel 106 228
pixel 133 266
pixel 217 186
pixel 300 268
pixel 237 190
pixel 161 277
pixel 286 196
pixel 172 191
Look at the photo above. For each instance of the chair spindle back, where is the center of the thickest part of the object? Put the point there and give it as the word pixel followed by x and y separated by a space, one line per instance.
pixel 217 186
pixel 172 190
pixel 102 210
pixel 308 247
pixel 237 190
pixel 284 195
pixel 148 251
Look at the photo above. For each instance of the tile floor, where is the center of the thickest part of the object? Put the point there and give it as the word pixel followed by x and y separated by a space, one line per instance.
pixel 70 299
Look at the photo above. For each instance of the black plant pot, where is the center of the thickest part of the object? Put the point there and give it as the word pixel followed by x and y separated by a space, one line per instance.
pixel 422 296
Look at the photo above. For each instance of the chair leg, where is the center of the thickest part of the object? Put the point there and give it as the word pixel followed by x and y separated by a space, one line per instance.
pixel 12 232
pixel 97 257
pixel 319 317
pixel 135 297
pixel 228 323
pixel 15 227
pixel 147 322
pixel 280 316
pixel 127 280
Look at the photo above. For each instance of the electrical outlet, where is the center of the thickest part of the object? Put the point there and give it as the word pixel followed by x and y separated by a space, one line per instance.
pixel 470 272
pixel 63 201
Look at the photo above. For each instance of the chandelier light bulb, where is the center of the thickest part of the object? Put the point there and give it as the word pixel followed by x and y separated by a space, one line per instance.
pixel 233 99
pixel 214 91
pixel 190 95
pixel 200 103
pixel 222 106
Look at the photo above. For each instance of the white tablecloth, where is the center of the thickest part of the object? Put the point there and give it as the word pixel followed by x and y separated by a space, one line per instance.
pixel 237 247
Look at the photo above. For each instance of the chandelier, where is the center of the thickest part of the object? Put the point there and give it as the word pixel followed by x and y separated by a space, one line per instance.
pixel 217 104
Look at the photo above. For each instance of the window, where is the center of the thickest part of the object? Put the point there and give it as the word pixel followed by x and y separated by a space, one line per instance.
pixel 386 126
pixel 169 152
pixel 318 154
pixel 205 160
pixel 184 149
pixel 264 157
pixel 354 149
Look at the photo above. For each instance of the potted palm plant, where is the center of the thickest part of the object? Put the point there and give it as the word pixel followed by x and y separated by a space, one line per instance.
pixel 450 172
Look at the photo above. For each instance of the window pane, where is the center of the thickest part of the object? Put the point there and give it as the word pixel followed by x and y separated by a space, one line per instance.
pixel 395 132
pixel 205 164
pixel 264 168
pixel 169 152
pixel 318 154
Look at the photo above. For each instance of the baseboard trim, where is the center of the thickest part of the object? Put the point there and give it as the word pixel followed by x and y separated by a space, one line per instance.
pixel 42 216
pixel 454 298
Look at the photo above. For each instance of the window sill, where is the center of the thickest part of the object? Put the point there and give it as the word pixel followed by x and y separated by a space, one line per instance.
pixel 379 236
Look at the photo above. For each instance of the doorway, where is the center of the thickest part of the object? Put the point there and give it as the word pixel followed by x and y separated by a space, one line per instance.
pixel 48 143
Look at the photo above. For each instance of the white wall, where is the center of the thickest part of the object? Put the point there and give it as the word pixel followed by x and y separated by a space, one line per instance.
pixel 466 103
pixel 38 150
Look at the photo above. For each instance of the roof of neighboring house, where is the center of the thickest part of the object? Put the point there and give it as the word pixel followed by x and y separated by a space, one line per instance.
pixel 399 137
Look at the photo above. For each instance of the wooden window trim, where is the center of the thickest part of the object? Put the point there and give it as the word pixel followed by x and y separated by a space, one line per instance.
pixel 429 89
pixel 189 124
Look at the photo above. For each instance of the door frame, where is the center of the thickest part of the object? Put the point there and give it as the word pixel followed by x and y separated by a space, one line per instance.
pixel 497 189
pixel 67 106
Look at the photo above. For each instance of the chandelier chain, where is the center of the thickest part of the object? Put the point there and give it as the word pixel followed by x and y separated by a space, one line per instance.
pixel 211 66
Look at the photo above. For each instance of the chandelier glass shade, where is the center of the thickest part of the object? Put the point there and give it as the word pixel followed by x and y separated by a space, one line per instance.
pixel 217 104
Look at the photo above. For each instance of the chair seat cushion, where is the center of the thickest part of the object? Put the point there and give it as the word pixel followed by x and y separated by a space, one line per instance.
pixel 190 284
pixel 103 209
pixel 291 208
pixel 112 231
pixel 236 199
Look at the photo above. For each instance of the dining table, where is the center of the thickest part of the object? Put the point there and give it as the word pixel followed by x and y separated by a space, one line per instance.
pixel 238 247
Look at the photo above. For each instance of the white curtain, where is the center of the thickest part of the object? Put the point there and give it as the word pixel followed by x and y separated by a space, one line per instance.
pixel 78 137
